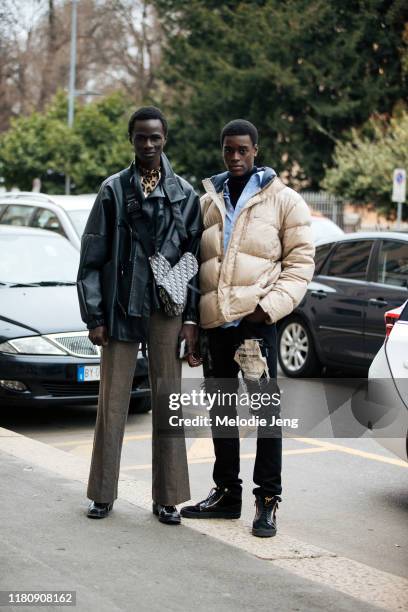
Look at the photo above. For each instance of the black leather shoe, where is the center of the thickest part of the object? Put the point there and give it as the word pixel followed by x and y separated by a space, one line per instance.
pixel 264 525
pixel 219 504
pixel 97 510
pixel 167 514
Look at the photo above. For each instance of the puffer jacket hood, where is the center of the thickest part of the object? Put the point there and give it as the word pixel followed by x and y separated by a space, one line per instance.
pixel 218 180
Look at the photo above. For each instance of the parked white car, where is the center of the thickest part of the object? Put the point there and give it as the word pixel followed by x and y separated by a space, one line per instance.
pixel 65 215
pixel 325 229
pixel 389 372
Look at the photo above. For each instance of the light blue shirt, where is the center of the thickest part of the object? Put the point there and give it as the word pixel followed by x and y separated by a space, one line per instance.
pixel 251 188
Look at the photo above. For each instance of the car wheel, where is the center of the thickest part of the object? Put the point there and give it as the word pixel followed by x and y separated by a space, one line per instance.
pixel 296 352
pixel 141 405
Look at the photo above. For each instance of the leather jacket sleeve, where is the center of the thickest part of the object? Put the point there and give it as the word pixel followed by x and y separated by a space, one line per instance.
pixel 194 228
pixel 96 246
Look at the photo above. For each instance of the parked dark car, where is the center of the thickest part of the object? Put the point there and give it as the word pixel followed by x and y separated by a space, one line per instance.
pixel 340 321
pixel 45 353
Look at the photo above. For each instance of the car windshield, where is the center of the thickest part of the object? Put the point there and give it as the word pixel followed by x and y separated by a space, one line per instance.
pixel 28 259
pixel 324 228
pixel 79 219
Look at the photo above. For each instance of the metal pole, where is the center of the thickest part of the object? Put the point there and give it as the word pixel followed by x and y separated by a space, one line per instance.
pixel 72 71
pixel 399 215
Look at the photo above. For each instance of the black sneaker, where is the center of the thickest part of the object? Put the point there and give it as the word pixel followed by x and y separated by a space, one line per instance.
pixel 218 504
pixel 264 525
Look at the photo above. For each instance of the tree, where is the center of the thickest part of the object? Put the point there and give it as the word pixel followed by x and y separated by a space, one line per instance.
pixel 304 71
pixel 118 48
pixel 130 46
pixel 101 128
pixel 363 165
pixel 41 145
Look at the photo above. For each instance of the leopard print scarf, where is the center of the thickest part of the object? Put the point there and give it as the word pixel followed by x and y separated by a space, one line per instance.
pixel 149 179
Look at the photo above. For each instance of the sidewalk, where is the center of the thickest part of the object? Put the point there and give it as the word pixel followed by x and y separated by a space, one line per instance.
pixel 129 561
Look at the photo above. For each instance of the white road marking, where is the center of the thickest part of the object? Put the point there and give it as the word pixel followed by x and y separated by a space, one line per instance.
pixel 354 451
pixel 295 451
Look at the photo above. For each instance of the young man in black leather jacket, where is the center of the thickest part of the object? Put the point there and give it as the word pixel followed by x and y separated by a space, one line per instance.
pixel 121 307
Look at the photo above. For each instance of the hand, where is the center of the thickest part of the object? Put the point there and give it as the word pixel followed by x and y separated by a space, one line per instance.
pixel 258 316
pixel 190 334
pixel 99 335
pixel 194 360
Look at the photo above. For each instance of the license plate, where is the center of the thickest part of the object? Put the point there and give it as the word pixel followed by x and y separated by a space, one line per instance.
pixel 88 373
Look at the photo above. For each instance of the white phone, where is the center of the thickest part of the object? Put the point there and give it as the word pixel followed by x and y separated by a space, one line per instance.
pixel 182 348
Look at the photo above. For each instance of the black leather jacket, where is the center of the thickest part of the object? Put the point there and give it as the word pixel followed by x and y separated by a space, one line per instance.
pixel 114 279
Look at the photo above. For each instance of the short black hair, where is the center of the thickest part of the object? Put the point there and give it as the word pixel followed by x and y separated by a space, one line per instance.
pixel 240 127
pixel 144 114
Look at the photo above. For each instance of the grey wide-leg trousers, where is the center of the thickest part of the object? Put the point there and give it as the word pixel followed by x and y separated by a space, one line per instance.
pixel 170 482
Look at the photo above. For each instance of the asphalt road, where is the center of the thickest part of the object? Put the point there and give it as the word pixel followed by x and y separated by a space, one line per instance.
pixel 346 495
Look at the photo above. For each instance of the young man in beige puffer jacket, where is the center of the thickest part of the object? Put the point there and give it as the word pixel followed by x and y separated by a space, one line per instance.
pixel 256 261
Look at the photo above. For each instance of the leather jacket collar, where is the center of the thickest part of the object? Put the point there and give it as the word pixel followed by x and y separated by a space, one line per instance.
pixel 168 180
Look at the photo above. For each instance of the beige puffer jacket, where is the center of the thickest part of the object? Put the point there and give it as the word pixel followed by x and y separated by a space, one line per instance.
pixel 269 259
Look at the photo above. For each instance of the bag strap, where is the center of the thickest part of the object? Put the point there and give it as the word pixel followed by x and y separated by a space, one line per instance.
pixel 178 221
pixel 134 208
